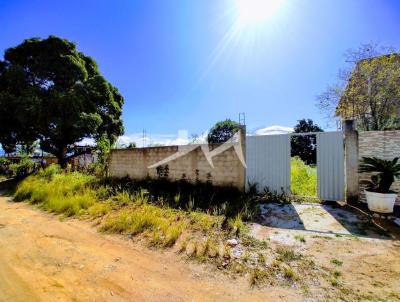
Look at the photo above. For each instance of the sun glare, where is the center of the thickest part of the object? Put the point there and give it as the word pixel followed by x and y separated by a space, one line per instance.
pixel 253 12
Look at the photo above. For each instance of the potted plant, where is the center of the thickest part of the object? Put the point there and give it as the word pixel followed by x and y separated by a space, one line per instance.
pixel 379 196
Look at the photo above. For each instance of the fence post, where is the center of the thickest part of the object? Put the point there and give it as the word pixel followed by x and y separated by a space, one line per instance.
pixel 243 142
pixel 351 160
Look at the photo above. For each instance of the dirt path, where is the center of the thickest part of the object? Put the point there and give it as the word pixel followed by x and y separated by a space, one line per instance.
pixel 43 259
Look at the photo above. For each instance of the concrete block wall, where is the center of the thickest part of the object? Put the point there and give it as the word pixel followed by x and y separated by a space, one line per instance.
pixel 134 163
pixel 381 144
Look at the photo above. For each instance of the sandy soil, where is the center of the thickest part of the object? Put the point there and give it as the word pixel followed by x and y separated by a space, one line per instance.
pixel 370 260
pixel 44 259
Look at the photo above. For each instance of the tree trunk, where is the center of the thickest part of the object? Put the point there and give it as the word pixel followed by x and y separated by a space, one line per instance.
pixel 62 158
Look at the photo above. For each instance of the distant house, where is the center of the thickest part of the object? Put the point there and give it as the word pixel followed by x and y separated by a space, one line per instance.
pixel 372 93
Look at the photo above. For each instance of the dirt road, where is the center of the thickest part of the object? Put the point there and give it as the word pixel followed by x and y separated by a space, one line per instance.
pixel 44 259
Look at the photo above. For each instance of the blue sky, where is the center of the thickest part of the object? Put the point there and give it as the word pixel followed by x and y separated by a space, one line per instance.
pixel 182 64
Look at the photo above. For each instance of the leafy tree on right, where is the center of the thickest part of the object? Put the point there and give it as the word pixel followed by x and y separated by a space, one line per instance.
pixel 368 90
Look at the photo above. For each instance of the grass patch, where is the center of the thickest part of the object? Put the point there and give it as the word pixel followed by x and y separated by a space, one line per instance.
pixel 337 262
pixel 162 226
pixel 236 225
pixel 322 237
pixel 300 238
pixel 287 254
pixel 69 194
pixel 205 222
pixel 334 282
pixel 258 276
pixel 378 284
pixel 289 273
pixel 303 178
pixel 124 212
pixel 336 274
pixel 191 196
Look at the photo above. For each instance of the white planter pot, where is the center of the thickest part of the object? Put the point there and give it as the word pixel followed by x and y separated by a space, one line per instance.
pixel 380 202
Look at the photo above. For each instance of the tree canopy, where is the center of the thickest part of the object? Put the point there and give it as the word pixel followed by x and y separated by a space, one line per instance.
pixel 222 131
pixel 305 146
pixel 372 95
pixel 368 91
pixel 52 93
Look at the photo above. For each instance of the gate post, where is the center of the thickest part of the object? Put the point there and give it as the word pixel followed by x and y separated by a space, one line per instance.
pixel 351 160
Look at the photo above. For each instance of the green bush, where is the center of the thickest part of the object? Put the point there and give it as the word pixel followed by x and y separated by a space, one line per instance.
pixel 303 178
pixel 23 167
pixel 4 166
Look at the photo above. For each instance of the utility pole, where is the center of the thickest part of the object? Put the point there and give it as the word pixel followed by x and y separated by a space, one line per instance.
pixel 144 138
pixel 242 118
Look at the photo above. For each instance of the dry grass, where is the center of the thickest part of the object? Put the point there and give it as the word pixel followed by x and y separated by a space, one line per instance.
pixel 162 226
pixel 199 235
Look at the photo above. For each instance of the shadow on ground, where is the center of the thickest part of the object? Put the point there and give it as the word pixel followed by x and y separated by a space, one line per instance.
pixel 320 219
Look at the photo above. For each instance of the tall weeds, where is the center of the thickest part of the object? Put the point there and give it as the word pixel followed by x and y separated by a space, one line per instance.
pixel 303 178
pixel 154 211
pixel 55 191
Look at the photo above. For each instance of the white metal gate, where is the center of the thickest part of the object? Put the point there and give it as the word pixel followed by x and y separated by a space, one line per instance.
pixel 330 165
pixel 268 163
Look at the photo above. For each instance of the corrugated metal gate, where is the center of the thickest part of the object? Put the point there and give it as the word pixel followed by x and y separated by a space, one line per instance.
pixel 268 163
pixel 330 165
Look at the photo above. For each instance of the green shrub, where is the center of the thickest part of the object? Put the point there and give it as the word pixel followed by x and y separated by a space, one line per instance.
pixel 24 167
pixel 4 166
pixel 303 178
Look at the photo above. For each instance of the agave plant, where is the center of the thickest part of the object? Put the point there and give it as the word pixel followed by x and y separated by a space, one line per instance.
pixel 386 172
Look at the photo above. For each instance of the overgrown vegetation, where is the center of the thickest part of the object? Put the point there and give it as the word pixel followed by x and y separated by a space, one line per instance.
pixel 157 209
pixel 197 219
pixel 303 178
pixel 182 194
pixel 201 227
pixel 19 169
pixel 62 193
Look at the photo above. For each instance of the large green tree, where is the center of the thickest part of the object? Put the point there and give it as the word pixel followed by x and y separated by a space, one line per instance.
pixel 367 90
pixel 52 93
pixel 304 146
pixel 222 131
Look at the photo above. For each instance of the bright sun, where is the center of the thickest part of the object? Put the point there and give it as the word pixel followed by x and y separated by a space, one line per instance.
pixel 253 12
